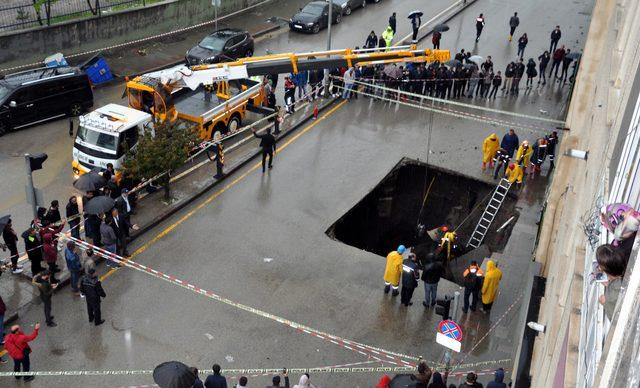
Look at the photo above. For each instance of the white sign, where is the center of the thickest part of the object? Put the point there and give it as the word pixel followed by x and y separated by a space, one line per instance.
pixel 216 3
pixel 448 342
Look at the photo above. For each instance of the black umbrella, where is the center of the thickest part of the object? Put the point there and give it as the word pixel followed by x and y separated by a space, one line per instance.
pixel 98 205
pixel 441 28
pixel 453 63
pixel 173 374
pixel 415 14
pixel 573 55
pixel 89 182
pixel 4 220
pixel 403 381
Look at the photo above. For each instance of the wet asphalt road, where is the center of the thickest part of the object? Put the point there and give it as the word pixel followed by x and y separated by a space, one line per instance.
pixel 283 215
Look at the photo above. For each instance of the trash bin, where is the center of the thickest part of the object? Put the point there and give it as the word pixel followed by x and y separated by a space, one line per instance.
pixel 55 60
pixel 98 70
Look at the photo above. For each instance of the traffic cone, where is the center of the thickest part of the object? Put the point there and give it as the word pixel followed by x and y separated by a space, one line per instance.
pixel 315 112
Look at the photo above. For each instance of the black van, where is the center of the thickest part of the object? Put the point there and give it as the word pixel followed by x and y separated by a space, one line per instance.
pixel 34 96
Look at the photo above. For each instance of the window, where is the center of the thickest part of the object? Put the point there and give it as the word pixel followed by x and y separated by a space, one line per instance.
pixel 23 95
pixel 213 43
pixel 99 139
pixel 128 139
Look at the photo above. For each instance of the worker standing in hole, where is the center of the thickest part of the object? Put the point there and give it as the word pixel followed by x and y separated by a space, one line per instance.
pixel 393 270
pixel 268 145
pixel 515 174
pixel 447 243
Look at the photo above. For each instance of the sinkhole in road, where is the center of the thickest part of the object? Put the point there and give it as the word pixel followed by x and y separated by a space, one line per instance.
pixel 389 215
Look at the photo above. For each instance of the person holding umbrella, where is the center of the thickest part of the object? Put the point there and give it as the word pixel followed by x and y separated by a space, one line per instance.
pixel 416 21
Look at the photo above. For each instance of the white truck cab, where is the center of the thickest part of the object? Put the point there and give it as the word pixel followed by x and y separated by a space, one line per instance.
pixel 104 136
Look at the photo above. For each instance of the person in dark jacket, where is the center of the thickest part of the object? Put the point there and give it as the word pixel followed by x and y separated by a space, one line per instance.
pixel 92 289
pixel 121 227
pixel 74 265
pixel 268 145
pixel 431 274
pixel 435 39
pixel 43 282
pixel 558 58
pixel 410 276
pixel 522 44
pixel 513 23
pixel 53 214
pixel 472 284
pixel 510 142
pixel 531 72
pixel 392 22
pixel 276 380
pixel 415 27
pixel 552 141
pixel 496 82
pixel 11 241
pixel 197 383
pixel 518 73
pixel 544 61
pixel 33 246
pixel 216 380
pixel 471 381
pixel 479 26
pixel 555 37
pixel 73 217
pixel 315 81
pixel 498 381
pixel 566 61
pixel 372 40
pixel 508 77
pixel 437 381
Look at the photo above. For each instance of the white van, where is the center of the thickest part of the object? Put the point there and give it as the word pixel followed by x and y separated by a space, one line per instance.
pixel 104 136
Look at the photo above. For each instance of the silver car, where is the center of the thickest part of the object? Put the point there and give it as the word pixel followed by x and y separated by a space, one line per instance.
pixel 348 6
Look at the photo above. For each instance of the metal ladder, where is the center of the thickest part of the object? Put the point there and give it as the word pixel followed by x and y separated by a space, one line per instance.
pixel 489 214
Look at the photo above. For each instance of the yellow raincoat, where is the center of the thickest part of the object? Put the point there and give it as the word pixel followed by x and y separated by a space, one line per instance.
pixel 387 35
pixel 393 270
pixel 526 154
pixel 491 282
pixel 490 146
pixel 515 174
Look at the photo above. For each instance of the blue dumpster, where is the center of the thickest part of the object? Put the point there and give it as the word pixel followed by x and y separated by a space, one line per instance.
pixel 98 70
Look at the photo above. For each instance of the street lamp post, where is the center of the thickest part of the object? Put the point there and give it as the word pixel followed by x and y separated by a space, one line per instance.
pixel 326 71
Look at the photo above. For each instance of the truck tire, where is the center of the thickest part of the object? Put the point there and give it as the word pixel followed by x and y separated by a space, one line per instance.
pixel 233 124
pixel 4 128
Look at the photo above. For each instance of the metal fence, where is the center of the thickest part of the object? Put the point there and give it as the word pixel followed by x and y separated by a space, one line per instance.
pixel 22 14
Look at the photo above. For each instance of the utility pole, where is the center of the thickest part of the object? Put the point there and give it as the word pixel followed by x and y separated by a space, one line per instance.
pixel 216 4
pixel 454 317
pixel 33 163
pixel 326 71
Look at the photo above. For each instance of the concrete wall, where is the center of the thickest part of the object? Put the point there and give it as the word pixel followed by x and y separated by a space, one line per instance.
pixel 97 32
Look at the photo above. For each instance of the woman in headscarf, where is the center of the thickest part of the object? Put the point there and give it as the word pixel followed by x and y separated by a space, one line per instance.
pixel 304 382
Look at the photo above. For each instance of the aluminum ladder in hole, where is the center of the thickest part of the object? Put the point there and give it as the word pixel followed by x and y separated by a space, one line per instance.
pixel 499 194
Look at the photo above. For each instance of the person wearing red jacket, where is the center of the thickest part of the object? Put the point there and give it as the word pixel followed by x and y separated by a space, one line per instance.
pixel 17 345
pixel 50 255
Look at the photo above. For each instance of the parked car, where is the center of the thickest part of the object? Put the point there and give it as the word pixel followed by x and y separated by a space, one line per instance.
pixel 348 6
pixel 221 46
pixel 37 95
pixel 314 17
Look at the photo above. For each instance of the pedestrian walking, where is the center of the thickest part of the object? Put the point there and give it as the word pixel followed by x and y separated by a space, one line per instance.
pixel 275 381
pixel 216 380
pixel 508 77
pixel 11 241
pixel 510 142
pixel 416 21
pixel 498 381
pixel 33 246
pixel 73 265
pixel 566 62
pixel 431 275
pixel 556 34
pixel 514 22
pixel 410 276
pixel 392 22
pixel 50 256
pixel 490 285
pixel 372 40
pixel 268 145
pixel 514 174
pixel 387 35
pixel 92 289
pixel 73 217
pixel 108 236
pixel 435 39
pixel 489 147
pixel 393 270
pixel 496 82
pixel 304 382
pixel 349 79
pixel 542 65
pixel 471 381
pixel 289 94
pixel 558 58
pixel 16 344
pixel 531 72
pixel 552 142
pixel 53 213
pixel 479 26
pixel 42 281
pixel 522 44
pixel 472 276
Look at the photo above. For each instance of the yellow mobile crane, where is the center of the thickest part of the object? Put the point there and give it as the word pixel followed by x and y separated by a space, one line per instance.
pixel 177 93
